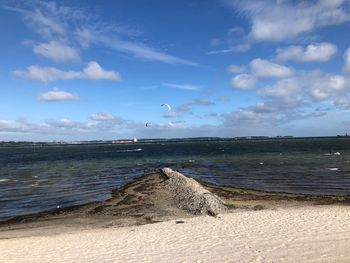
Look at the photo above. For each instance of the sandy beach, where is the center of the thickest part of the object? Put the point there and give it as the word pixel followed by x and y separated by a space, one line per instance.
pixel 298 234
pixel 167 217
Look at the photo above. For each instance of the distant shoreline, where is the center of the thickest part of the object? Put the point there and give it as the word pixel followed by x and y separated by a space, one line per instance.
pixel 161 140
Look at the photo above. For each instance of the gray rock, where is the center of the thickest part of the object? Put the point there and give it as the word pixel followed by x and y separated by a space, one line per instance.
pixel 191 196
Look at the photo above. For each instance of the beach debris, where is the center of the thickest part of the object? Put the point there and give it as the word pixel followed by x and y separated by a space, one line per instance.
pixel 179 222
pixel 192 196
pixel 167 106
pixel 258 207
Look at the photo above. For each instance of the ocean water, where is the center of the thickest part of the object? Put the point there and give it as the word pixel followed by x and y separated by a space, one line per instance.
pixel 34 179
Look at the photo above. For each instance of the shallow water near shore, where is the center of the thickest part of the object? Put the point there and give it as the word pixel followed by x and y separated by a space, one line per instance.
pixel 34 179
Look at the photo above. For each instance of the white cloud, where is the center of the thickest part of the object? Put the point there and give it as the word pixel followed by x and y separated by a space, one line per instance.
pixel 57 52
pixel 57 95
pixel 235 68
pixel 182 86
pixel 142 51
pixel 46 74
pixel 243 81
pixel 14 126
pixel 329 86
pixel 84 37
pixel 282 20
pixel 347 61
pixel 65 24
pixel 101 116
pixel 201 102
pixel 93 71
pixel 234 48
pixel 265 68
pixel 186 108
pixel 286 93
pixel 319 52
pixel 343 101
pixel 46 21
pixel 259 113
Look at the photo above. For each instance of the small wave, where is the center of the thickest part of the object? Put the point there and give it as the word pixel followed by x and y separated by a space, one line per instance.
pixel 333 169
pixel 130 150
pixel 4 180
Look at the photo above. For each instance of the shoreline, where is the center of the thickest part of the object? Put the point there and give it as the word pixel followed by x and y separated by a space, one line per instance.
pixel 144 201
pixel 146 221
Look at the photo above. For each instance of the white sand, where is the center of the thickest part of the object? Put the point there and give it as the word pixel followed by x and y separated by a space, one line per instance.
pixel 302 234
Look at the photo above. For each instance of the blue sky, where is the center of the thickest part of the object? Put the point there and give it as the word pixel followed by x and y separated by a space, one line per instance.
pixel 84 70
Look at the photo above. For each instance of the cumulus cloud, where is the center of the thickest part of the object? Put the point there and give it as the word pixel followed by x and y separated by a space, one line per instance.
pixel 265 68
pixel 57 95
pixel 57 52
pixel 312 53
pixel 93 71
pixel 323 87
pixel 259 113
pixel 282 20
pixel 286 93
pixel 243 81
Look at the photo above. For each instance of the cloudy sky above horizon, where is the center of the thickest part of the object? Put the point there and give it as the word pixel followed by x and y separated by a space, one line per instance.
pixel 85 70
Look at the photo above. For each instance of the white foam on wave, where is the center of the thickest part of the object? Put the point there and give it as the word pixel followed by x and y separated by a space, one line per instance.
pixel 4 180
pixel 333 169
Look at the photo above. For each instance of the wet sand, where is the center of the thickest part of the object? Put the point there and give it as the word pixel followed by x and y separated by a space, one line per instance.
pixel 147 200
pixel 143 223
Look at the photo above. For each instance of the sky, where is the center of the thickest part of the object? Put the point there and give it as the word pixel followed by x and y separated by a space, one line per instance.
pixel 101 70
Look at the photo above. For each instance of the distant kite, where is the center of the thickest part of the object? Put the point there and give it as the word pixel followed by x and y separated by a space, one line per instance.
pixel 166 105
pixel 148 124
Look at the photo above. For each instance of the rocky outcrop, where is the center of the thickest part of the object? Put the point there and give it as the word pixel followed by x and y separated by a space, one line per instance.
pixel 191 196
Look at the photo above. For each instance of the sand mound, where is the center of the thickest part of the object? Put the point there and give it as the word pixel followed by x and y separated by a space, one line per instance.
pixel 192 196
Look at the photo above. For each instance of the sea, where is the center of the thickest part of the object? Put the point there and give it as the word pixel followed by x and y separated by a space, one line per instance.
pixel 43 177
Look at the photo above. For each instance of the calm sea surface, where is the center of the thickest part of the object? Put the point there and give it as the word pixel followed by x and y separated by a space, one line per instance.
pixel 34 179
